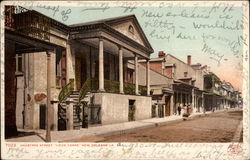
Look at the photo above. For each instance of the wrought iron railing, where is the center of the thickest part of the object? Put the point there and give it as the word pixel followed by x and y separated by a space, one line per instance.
pixel 143 90
pixel 84 90
pixel 27 22
pixel 110 86
pixel 66 90
pixel 129 88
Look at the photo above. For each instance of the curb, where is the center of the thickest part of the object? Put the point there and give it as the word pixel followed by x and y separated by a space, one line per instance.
pixel 237 133
pixel 154 124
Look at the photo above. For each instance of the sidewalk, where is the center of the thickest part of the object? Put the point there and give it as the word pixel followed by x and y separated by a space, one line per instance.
pixel 94 134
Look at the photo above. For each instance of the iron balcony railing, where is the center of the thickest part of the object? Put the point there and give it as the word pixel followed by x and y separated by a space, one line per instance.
pixel 111 86
pixel 27 22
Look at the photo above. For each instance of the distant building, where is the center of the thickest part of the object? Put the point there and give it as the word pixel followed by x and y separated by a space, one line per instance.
pixel 187 86
pixel 219 95
pixel 161 91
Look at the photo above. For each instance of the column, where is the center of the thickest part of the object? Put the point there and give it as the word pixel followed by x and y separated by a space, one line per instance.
pixel 172 105
pixel 193 99
pixel 121 69
pixel 195 104
pixel 48 115
pixel 176 104
pixel 202 102
pixel 148 78
pixel 136 75
pixel 197 101
pixel 101 66
pixel 69 115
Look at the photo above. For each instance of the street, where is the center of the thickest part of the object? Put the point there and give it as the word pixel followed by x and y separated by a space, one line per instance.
pixel 216 127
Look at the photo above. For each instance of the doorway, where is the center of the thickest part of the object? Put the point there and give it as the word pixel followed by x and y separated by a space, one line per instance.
pixel 167 107
pixel 80 70
pixel 42 116
pixel 131 110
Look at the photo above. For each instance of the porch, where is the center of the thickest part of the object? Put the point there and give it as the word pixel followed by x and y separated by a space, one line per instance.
pixel 100 66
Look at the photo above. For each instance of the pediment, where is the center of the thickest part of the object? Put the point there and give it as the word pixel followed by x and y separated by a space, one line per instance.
pixel 130 27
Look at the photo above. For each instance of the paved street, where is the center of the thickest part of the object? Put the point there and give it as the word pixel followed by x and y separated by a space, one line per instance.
pixel 217 127
pixel 220 126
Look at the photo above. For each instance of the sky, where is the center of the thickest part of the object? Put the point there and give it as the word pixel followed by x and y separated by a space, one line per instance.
pixel 213 35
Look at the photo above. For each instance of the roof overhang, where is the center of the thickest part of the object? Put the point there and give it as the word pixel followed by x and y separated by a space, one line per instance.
pixel 27 44
pixel 102 30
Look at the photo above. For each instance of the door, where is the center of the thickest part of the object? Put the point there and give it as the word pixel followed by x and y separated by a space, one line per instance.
pixel 167 107
pixel 42 116
pixel 80 70
pixel 131 110
pixel 78 73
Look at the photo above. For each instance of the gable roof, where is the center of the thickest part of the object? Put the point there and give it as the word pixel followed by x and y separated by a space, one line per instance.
pixel 118 20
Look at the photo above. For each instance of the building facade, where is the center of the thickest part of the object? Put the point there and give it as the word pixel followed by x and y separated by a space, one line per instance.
pixel 187 80
pixel 161 91
pixel 220 94
pixel 91 80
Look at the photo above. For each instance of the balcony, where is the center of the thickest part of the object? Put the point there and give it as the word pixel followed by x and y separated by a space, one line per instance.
pixel 113 87
pixel 27 22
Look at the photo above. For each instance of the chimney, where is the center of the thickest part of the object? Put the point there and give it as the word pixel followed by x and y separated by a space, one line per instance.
pixel 161 54
pixel 189 60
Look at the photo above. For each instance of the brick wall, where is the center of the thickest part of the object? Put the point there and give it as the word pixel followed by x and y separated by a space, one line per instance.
pixel 155 66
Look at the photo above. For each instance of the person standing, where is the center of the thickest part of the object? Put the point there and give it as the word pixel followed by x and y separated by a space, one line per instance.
pixel 179 110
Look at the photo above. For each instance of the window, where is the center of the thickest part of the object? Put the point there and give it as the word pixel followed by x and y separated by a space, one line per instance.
pixel 19 63
pixel 185 74
pixel 131 29
pixel 60 67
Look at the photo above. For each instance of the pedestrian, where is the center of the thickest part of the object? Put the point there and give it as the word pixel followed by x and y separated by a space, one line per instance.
pixel 188 109
pixel 179 110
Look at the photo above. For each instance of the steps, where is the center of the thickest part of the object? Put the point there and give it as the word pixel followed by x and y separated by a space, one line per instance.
pixel 77 112
pixel 77 117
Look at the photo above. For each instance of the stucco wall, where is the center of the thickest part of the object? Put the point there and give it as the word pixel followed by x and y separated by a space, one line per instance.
pixel 124 28
pixel 155 78
pixel 19 102
pixel 182 67
pixel 40 83
pixel 114 107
